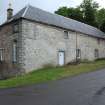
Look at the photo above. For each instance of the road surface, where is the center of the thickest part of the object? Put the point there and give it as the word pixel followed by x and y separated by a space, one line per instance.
pixel 85 89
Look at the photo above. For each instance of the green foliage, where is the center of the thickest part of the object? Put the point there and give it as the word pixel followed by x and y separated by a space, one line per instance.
pixel 100 16
pixel 85 12
pixel 102 27
pixel 89 8
pixel 100 59
pixel 73 13
pixel 46 74
pixel 49 65
pixel 64 11
pixel 88 12
pixel 86 61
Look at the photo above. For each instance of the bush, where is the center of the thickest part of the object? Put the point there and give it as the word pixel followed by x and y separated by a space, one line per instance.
pixel 86 61
pixel 74 62
pixel 48 66
pixel 99 59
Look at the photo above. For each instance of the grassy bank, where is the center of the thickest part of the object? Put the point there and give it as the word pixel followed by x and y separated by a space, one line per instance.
pixel 47 74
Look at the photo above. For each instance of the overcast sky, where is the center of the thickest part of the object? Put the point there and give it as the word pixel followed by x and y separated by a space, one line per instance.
pixel 48 5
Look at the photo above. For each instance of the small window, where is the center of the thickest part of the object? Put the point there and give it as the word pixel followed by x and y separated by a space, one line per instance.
pixel 96 53
pixel 1 55
pixel 15 28
pixel 66 35
pixel 14 55
pixel 98 41
pixel 78 53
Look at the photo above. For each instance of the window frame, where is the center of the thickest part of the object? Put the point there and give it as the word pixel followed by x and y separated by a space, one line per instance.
pixel 1 54
pixel 14 51
pixel 96 53
pixel 78 53
pixel 15 28
pixel 98 41
pixel 66 34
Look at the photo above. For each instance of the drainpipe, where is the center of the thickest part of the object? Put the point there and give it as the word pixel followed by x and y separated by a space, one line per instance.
pixel 76 47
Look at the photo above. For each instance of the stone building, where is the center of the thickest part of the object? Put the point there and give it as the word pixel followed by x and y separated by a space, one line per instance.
pixel 34 38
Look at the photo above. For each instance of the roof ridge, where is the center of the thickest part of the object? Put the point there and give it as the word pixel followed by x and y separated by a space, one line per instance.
pixel 27 7
pixel 39 15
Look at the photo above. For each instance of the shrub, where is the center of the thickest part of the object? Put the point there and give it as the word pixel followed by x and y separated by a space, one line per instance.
pixel 74 62
pixel 85 61
pixel 99 59
pixel 49 65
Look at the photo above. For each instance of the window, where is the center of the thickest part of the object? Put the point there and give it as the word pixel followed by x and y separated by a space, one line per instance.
pixel 96 53
pixel 1 55
pixel 66 36
pixel 15 28
pixel 78 53
pixel 14 52
pixel 98 41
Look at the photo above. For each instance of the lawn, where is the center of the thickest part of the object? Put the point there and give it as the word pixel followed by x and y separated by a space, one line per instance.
pixel 47 74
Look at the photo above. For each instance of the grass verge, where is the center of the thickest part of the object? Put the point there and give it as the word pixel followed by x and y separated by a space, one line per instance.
pixel 47 74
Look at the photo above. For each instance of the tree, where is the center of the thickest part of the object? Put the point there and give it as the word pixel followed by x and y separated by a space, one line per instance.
pixel 89 8
pixel 87 12
pixel 73 13
pixel 62 11
pixel 100 17
pixel 102 27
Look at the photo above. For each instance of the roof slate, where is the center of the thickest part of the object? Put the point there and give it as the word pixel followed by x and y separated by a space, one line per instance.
pixel 36 14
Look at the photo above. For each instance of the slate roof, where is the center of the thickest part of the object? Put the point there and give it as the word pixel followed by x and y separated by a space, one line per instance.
pixel 38 15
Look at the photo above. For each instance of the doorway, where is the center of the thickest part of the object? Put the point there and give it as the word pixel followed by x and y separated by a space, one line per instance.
pixel 61 58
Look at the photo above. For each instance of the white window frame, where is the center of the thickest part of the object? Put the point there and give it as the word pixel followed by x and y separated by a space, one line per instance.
pixel 1 54
pixel 14 51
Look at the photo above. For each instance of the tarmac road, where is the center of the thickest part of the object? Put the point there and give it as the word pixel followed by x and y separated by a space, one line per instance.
pixel 85 89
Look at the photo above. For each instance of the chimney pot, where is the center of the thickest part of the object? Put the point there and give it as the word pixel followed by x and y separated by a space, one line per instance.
pixel 9 12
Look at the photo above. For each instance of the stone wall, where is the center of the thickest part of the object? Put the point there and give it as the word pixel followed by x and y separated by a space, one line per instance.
pixel 88 44
pixel 43 42
pixel 39 45
pixel 7 67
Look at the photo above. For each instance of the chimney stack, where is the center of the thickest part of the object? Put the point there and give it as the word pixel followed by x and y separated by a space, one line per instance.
pixel 9 12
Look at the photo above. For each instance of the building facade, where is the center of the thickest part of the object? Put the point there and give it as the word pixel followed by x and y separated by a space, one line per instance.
pixel 34 38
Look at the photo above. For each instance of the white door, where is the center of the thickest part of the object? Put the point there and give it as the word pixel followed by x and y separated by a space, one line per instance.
pixel 61 58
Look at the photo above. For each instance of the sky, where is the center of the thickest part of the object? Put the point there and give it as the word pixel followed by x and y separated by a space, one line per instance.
pixel 48 5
